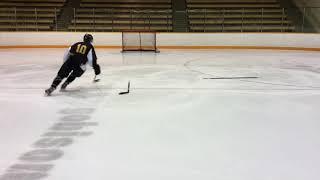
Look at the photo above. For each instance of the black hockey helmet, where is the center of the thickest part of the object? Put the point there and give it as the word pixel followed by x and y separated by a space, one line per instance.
pixel 88 38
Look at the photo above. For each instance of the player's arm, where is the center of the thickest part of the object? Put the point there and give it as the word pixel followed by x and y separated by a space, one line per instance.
pixel 92 59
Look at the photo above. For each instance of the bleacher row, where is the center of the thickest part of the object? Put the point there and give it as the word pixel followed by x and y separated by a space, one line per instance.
pixel 119 15
pixel 29 15
pixel 237 15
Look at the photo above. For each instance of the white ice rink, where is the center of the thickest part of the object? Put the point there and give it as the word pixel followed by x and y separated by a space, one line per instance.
pixel 174 125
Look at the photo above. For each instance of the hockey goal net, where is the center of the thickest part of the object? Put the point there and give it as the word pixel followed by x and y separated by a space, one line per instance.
pixel 139 41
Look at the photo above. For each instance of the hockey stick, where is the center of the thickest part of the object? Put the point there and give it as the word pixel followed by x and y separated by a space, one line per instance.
pixel 126 92
pixel 95 79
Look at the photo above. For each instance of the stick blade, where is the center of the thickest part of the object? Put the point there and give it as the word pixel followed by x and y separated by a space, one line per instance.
pixel 126 92
pixel 122 93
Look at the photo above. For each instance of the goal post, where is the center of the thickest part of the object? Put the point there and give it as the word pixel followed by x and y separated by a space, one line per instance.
pixel 139 41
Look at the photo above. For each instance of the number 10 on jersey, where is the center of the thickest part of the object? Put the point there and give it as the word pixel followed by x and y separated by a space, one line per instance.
pixel 81 49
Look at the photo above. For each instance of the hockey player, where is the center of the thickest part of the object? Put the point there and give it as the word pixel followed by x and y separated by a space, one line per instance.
pixel 75 60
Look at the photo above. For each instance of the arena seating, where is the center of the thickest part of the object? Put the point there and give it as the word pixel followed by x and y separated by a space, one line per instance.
pixel 29 15
pixel 118 15
pixel 237 16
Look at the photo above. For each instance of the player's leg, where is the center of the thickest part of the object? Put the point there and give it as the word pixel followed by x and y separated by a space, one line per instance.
pixel 77 72
pixel 63 73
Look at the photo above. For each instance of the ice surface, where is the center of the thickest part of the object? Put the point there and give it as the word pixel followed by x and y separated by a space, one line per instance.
pixel 174 125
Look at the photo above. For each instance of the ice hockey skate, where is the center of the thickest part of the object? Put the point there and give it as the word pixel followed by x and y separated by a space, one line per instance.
pixel 49 91
pixel 64 86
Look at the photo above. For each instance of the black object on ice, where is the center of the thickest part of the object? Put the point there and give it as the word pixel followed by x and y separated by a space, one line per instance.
pixel 126 92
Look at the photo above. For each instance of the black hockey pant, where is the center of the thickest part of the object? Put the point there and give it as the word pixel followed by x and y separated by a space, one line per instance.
pixel 70 70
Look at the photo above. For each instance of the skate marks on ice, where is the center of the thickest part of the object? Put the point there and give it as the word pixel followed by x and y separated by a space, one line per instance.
pixel 288 76
pixel 37 163
pixel 235 77
pixel 82 92
pixel 75 92
pixel 22 73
